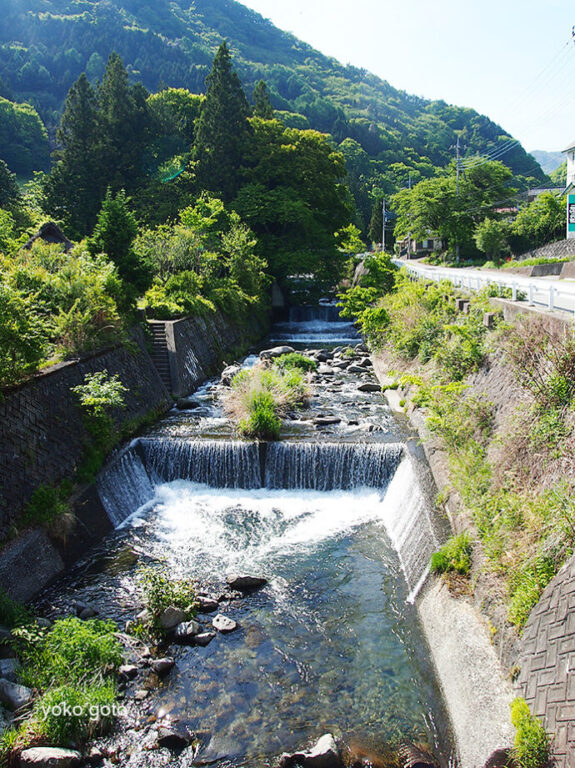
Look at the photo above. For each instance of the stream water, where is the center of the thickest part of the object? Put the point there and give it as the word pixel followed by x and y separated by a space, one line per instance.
pixel 336 519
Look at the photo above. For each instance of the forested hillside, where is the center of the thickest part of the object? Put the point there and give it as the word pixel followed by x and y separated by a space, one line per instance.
pixel 386 135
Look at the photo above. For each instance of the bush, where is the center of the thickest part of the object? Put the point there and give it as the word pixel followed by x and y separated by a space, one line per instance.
pixel 160 591
pixel 526 587
pixel 23 334
pixel 296 360
pixel 532 744
pixel 72 651
pixel 12 614
pixel 260 396
pixel 454 555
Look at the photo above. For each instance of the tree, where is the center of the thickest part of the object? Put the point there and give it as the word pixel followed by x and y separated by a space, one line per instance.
pixel 262 104
pixel 491 237
pixel 540 222
pixel 23 138
pixel 113 235
pixel 73 190
pixel 223 130
pixel 124 125
pixel 9 191
pixel 434 207
pixel 294 200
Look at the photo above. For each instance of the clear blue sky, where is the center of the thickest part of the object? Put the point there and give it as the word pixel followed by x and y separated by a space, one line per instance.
pixel 508 59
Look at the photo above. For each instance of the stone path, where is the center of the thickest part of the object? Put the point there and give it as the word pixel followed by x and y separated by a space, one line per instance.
pixel 547 677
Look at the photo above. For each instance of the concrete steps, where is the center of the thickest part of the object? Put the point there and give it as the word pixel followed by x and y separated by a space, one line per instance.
pixel 159 354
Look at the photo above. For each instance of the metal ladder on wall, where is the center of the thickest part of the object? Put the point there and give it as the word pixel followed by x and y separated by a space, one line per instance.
pixel 159 354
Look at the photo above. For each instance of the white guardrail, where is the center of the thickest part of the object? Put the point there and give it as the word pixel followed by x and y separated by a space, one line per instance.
pixel 522 289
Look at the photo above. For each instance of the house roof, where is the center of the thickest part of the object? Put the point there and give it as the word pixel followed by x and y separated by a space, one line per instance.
pixel 50 233
pixel 569 147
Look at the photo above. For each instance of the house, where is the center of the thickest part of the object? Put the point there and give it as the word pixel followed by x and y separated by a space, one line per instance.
pixel 410 248
pixel 50 233
pixel 570 152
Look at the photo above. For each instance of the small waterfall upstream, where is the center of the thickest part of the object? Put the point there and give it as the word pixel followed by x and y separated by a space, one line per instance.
pixel 130 481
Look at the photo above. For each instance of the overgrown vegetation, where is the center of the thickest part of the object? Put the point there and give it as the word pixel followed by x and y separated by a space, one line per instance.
pixel 532 744
pixel 514 475
pixel 260 396
pixel 454 556
pixel 71 666
pixel 160 591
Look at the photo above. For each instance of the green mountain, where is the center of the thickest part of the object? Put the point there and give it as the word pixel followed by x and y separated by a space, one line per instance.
pixel 549 161
pixel 386 135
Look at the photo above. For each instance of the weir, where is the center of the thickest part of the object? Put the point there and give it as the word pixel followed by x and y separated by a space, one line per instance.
pixel 130 481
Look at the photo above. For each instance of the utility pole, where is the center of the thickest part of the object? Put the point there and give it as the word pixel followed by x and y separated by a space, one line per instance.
pixel 457 169
pixel 383 228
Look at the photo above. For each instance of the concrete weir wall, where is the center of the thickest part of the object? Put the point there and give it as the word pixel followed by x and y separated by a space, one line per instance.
pixel 43 439
pixel 476 688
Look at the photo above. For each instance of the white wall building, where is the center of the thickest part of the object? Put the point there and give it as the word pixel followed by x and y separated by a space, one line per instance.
pixel 570 152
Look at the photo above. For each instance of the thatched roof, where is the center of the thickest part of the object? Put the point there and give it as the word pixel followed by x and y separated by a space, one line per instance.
pixel 50 233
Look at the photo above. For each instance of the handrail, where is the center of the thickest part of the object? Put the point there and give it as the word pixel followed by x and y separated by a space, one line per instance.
pixel 475 283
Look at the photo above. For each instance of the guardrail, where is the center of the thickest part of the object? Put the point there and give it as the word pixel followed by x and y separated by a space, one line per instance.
pixel 534 294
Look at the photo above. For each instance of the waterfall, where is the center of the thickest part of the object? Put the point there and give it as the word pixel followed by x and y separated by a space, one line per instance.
pixel 409 524
pixel 124 485
pixel 217 463
pixel 128 482
pixel 329 466
pixel 326 313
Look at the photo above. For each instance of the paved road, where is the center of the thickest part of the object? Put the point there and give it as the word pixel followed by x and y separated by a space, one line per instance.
pixel 548 292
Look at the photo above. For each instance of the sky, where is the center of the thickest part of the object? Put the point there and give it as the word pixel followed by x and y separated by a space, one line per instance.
pixel 512 60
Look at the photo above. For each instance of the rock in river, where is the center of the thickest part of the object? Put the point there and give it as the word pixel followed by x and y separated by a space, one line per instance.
pixel 49 757
pixel 369 387
pixel 268 354
pixel 223 623
pixel 162 666
pixel 245 583
pixel 174 736
pixel 185 632
pixel 324 754
pixel 171 617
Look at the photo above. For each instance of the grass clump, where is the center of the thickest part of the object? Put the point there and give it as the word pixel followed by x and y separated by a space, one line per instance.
pixel 532 744
pixel 295 360
pixel 260 396
pixel 159 592
pixel 72 666
pixel 454 556
pixel 12 614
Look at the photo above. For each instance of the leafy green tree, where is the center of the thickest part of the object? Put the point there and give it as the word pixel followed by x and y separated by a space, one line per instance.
pixel 540 222
pixel 222 130
pixel 9 191
pixel 73 190
pixel 114 234
pixel 23 138
pixel 295 202
pixel 491 237
pixel 23 334
pixel 262 104
pixel 559 176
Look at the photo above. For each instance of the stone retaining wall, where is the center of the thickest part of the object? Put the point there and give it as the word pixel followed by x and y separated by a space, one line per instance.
pixel 42 432
pixel 558 250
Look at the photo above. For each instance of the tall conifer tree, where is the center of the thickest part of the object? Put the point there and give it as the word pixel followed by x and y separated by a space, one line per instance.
pixel 223 129
pixel 262 104
pixel 74 188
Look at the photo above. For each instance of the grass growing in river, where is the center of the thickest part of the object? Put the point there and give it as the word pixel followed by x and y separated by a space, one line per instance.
pixel 260 396
pixel 454 556
pixel 159 592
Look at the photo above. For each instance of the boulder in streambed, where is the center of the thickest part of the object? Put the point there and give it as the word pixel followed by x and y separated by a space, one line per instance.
pixel 369 387
pixel 8 669
pixel 245 583
pixel 268 354
pixel 185 632
pixel 324 754
pixel 49 757
pixel 355 368
pixel 203 638
pixel 174 736
pixel 228 374
pixel 415 757
pixel 12 695
pixel 323 421
pixel 162 666
pixel 171 617
pixel 206 604
pixel 224 624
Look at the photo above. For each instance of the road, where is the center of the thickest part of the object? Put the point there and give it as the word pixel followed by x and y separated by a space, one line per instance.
pixel 544 292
